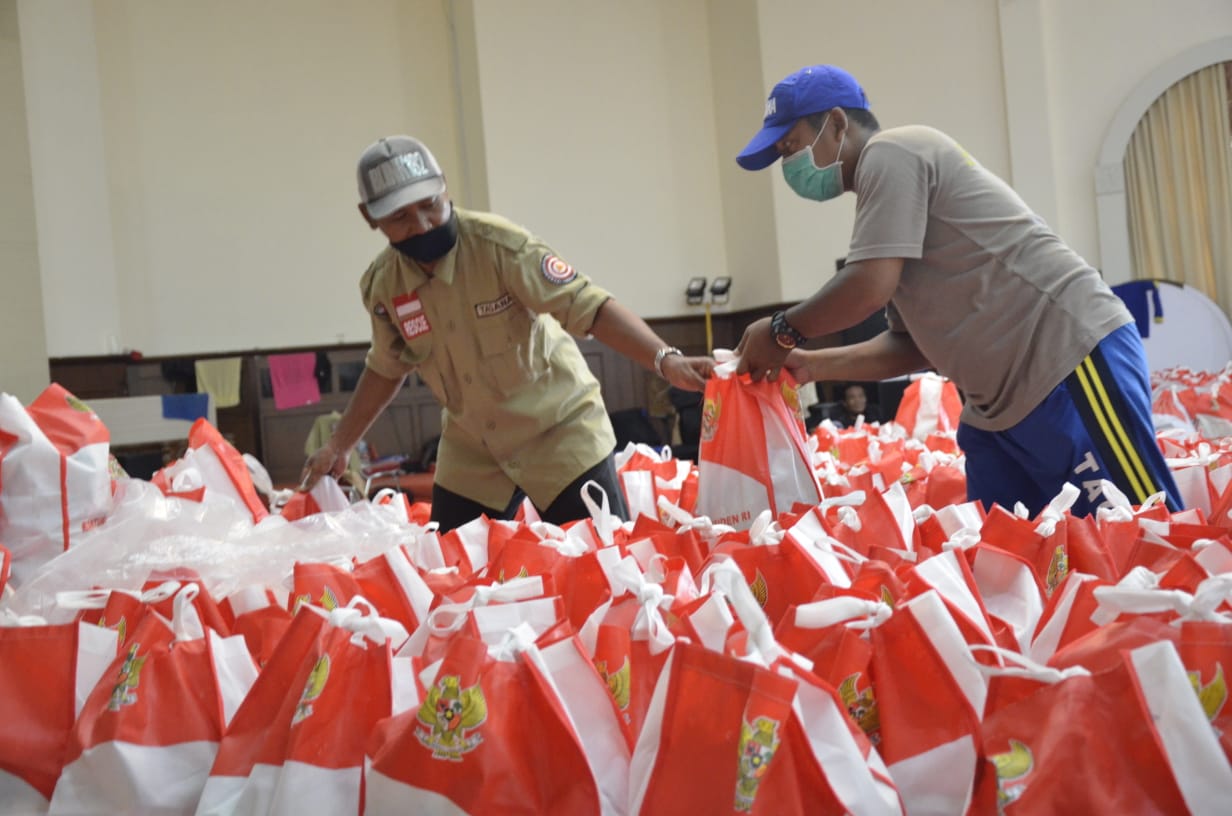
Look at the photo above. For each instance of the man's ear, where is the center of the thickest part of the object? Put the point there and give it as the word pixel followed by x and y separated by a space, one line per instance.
pixel 364 212
pixel 839 121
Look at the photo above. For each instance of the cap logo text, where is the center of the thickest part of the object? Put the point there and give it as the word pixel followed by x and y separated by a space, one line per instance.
pixel 770 106
pixel 396 171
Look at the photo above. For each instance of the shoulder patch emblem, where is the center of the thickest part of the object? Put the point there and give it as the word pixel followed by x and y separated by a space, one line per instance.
pixel 556 271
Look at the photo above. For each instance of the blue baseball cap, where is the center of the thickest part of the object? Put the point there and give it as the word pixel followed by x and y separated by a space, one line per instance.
pixel 814 89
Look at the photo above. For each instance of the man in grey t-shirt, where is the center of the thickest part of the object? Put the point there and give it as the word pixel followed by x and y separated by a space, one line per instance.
pixel 975 285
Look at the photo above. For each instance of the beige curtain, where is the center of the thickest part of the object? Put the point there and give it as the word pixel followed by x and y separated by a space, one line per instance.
pixel 1178 181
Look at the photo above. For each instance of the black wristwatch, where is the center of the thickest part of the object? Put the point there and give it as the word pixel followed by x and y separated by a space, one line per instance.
pixel 784 335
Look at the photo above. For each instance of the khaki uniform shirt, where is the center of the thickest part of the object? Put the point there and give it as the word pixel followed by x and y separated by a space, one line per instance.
pixel 487 333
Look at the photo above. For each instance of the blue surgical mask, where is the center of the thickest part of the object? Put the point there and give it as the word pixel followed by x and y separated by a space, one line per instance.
pixel 810 181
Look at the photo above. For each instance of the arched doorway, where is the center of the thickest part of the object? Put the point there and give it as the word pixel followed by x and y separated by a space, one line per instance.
pixel 1113 223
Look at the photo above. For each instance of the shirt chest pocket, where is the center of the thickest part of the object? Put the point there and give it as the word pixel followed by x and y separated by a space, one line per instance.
pixel 418 352
pixel 511 353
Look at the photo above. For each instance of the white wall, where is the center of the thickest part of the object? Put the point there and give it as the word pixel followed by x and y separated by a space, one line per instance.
pixel 933 62
pixel 192 163
pixel 23 352
pixel 598 120
pixel 229 132
pixel 747 199
pixel 69 166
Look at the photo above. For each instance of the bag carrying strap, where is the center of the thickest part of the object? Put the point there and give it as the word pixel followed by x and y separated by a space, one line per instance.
pixel 97 598
pixel 1023 666
pixel 856 613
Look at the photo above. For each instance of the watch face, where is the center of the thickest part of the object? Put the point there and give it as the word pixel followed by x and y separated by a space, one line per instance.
pixel 785 340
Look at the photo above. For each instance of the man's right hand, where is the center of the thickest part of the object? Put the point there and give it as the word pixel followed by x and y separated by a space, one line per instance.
pixel 326 460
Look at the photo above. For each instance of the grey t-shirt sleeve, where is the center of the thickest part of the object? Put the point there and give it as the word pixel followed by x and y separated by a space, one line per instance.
pixel 892 197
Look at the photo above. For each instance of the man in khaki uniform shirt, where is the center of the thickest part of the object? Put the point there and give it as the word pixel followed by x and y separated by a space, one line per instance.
pixel 483 310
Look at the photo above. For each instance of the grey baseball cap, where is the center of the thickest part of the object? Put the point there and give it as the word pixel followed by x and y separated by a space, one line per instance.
pixel 396 171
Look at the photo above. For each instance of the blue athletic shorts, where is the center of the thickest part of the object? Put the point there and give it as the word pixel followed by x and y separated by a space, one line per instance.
pixel 1095 425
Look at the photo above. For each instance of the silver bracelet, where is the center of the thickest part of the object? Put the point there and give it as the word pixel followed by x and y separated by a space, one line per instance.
pixel 663 352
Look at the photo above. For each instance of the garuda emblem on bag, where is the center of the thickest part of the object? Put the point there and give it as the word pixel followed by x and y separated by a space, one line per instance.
pixel 450 711
pixel 1214 694
pixel 758 742
pixel 710 418
pixel 317 679
pixel 124 692
pixel 862 706
pixel 1012 769
pixel 618 683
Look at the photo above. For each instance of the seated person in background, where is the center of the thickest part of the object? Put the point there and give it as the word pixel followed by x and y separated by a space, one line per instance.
pixel 852 404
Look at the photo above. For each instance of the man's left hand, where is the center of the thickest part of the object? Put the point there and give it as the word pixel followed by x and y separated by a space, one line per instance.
pixel 760 357
pixel 687 373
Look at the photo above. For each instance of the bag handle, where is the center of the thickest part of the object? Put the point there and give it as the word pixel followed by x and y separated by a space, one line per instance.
pixel 765 531
pixel 185 622
pixel 651 599
pixel 1118 507
pixel 1139 594
pixel 10 618
pixel 725 577
pixel 605 523
pixel 366 622
pixel 962 540
pixel 515 589
pixel 1026 667
pixel 855 613
pixel 97 598
pixel 516 640
pixel 1051 515
pixel 706 528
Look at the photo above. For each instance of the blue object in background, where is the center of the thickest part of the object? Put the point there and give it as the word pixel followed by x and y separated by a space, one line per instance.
pixel 1135 295
pixel 189 407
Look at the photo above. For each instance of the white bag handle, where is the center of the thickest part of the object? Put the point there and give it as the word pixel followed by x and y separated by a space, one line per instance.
pixel 685 522
pixel 765 531
pixel 519 639
pixel 857 613
pixel 185 622
pixel 628 578
pixel 1138 599
pixel 962 540
pixel 97 598
pixel 725 577
pixel 605 523
pixel 10 618
pixel 366 623
pixel 1026 667
pixel 449 617
pixel 1051 515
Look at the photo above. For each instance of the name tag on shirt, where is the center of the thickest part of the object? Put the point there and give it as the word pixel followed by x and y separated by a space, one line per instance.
pixel 411 317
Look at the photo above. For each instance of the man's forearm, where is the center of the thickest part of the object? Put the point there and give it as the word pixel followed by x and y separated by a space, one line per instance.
pixel 857 291
pixel 372 394
pixel 621 330
pixel 889 354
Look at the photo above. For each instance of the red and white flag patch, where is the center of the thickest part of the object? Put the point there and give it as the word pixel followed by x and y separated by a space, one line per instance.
pixel 557 271
pixel 411 317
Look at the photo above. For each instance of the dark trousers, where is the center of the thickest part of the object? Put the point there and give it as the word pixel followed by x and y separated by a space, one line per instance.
pixel 452 510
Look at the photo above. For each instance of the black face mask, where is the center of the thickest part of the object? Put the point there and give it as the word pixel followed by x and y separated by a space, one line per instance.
pixel 433 244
